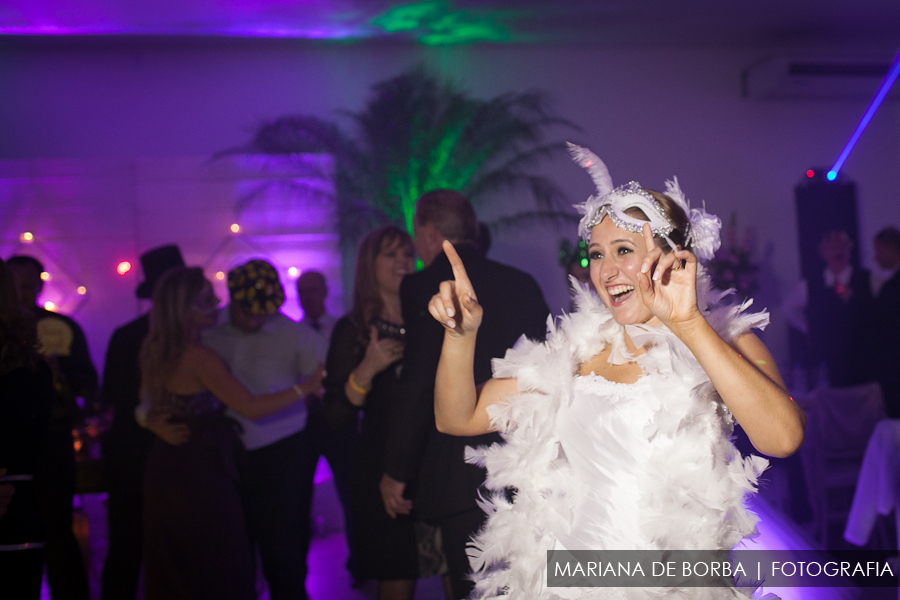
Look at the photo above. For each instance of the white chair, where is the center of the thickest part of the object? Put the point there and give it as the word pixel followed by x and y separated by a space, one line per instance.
pixel 840 423
pixel 878 487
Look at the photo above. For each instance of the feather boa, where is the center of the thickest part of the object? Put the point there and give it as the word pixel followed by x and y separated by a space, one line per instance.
pixel 601 466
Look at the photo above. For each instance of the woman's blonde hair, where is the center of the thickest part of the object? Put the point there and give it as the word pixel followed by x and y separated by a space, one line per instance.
pixel 170 326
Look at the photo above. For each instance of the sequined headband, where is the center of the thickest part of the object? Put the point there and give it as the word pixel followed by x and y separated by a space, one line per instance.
pixel 703 228
pixel 625 197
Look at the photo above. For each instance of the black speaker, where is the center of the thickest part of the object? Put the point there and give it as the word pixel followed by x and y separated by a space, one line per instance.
pixel 824 206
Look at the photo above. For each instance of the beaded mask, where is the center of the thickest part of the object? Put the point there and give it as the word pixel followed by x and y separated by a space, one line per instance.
pixel 703 228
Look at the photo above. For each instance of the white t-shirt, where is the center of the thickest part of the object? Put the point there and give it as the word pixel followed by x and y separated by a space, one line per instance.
pixel 280 354
pixel 322 333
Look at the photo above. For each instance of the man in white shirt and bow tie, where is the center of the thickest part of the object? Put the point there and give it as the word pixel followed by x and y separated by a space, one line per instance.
pixel 334 428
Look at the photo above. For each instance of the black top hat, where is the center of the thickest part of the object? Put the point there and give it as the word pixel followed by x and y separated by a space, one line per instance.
pixel 154 263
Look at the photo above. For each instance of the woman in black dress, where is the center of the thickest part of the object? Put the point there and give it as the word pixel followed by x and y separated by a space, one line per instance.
pixel 196 544
pixel 363 367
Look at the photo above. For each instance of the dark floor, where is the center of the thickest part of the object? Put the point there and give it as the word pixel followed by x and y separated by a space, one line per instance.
pixel 328 580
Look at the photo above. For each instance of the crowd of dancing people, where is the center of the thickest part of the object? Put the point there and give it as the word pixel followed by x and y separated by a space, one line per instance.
pixel 466 438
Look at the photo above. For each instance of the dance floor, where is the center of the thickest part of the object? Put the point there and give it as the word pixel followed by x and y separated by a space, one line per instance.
pixel 328 580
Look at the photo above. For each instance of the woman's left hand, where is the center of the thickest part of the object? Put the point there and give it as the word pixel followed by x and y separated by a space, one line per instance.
pixel 668 283
pixel 174 434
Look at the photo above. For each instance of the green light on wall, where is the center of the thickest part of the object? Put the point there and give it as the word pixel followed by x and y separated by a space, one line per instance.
pixel 411 16
pixel 418 133
pixel 440 24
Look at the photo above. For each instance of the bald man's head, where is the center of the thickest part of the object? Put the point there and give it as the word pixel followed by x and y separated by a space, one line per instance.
pixel 312 289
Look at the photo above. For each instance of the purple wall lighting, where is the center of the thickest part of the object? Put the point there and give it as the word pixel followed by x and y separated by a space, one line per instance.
pixel 83 219
pixel 63 290
pixel 431 22
pixel 309 19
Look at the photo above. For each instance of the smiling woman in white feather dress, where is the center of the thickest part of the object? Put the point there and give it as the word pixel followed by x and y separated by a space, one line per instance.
pixel 618 426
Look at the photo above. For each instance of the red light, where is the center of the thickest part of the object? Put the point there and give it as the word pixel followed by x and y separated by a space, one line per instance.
pixel 810 173
pixel 123 267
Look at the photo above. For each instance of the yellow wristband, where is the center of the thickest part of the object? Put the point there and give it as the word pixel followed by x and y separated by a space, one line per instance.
pixel 356 387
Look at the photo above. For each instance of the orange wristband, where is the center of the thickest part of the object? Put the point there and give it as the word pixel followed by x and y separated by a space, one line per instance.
pixel 356 387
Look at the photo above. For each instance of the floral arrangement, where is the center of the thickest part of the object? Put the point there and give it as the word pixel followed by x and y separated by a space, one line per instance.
pixel 733 265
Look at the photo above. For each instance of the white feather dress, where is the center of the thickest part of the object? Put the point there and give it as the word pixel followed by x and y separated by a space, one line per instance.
pixel 598 465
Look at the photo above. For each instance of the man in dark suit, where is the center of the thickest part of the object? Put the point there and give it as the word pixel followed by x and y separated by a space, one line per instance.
pixel 839 311
pixel 127 444
pixel 64 348
pixel 424 468
pixel 887 321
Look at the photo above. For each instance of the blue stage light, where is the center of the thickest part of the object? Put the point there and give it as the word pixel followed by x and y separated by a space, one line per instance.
pixel 883 90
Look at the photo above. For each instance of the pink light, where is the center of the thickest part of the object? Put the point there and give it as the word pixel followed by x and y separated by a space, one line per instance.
pixel 123 267
pixel 810 173
pixel 323 472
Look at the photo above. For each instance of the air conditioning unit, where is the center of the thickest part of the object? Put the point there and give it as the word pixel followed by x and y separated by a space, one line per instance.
pixel 784 77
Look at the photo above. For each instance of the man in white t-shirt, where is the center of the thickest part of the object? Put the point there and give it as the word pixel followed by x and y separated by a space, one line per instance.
pixel 269 352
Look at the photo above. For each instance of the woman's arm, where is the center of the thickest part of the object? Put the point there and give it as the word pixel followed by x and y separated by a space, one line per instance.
pixel 459 407
pixel 342 358
pixel 380 354
pixel 214 376
pixel 745 376
pixel 744 373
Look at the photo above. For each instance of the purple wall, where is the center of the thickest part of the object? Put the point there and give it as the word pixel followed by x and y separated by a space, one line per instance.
pixel 649 112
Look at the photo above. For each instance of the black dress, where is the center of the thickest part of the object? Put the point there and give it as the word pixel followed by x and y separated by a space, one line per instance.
pixel 196 544
pixel 26 396
pixel 385 548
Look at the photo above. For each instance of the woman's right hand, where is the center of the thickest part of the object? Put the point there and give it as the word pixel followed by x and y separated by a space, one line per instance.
pixel 381 353
pixel 171 433
pixel 456 306
pixel 313 383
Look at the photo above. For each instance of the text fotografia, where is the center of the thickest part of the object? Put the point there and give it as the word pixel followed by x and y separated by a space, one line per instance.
pixel 716 568
pixel 723 569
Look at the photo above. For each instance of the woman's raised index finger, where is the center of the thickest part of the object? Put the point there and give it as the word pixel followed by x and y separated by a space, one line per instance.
pixel 459 270
pixel 648 237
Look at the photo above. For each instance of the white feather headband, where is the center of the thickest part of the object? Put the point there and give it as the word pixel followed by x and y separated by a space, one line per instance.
pixel 703 228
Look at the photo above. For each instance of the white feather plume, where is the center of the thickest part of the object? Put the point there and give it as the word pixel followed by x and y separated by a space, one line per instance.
pixel 595 167
pixel 705 227
pixel 673 191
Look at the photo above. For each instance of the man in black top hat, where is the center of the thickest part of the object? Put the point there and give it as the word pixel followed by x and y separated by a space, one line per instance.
pixel 127 444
